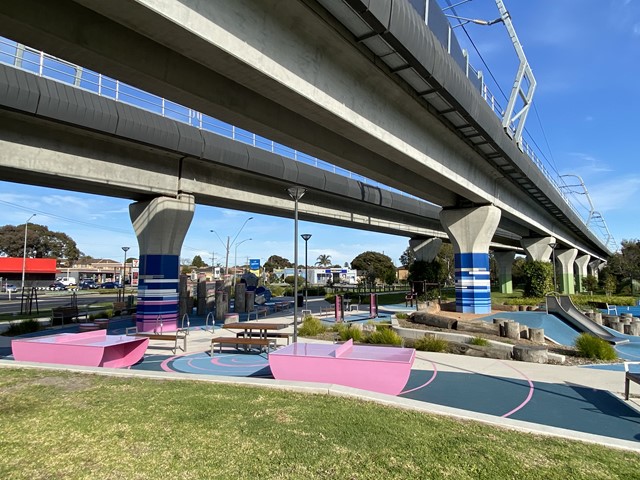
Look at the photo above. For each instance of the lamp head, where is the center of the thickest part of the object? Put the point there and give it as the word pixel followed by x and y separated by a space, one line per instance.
pixel 306 236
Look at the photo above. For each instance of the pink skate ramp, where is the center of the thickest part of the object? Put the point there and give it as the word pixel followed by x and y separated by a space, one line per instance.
pixel 91 349
pixel 378 369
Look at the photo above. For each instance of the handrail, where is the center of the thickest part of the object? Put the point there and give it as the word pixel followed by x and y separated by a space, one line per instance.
pixel 158 320
pixel 206 322
pixel 49 66
pixel 186 315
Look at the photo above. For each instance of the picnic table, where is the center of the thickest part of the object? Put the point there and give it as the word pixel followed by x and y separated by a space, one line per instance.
pixel 261 334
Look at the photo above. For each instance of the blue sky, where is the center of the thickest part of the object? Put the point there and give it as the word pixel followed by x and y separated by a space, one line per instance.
pixel 584 54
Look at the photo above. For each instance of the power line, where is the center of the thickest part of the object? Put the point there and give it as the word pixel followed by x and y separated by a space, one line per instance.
pixel 60 217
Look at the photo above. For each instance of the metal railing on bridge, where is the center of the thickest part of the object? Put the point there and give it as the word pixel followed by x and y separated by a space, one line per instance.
pixel 47 66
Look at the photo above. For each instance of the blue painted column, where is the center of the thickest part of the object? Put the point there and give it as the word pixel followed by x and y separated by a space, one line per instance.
pixel 161 225
pixel 470 231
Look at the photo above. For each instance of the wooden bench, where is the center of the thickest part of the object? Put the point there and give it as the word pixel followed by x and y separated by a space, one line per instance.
pixel 327 310
pixel 630 377
pixel 246 341
pixel 179 334
pixel 274 335
pixel 258 311
pixel 66 313
pixel 120 308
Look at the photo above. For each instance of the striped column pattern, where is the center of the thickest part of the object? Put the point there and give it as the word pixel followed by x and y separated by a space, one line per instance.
pixel 473 286
pixel 470 231
pixel 158 293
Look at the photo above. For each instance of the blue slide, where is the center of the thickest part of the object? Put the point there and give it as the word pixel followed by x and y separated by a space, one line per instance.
pixel 563 308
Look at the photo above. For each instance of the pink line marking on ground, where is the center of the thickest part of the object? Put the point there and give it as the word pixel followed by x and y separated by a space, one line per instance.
pixel 433 377
pixel 217 361
pixel 526 400
pixel 165 364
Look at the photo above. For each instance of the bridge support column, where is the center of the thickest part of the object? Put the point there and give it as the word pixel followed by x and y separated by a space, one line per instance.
pixel 582 262
pixel 161 225
pixel 470 231
pixel 538 249
pixel 595 267
pixel 425 249
pixel 566 259
pixel 505 263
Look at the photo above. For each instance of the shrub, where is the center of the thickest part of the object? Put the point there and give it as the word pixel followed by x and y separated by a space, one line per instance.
pixel 311 327
pixel 28 325
pixel 108 313
pixel 430 343
pixel 384 336
pixel 347 332
pixel 595 348
pixel 276 290
pixel 538 278
pixel 481 342
pixel 402 316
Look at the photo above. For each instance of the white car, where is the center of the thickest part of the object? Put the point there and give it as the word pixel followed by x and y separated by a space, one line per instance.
pixel 9 288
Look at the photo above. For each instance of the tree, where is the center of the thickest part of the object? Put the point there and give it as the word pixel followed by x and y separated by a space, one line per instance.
pixel 407 257
pixel 274 261
pixel 376 265
pixel 624 266
pixel 41 243
pixel 537 278
pixel 590 283
pixel 198 262
pixel 323 260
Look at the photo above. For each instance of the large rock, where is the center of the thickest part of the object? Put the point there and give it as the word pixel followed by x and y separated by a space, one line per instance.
pixel 480 351
pixel 426 318
pixel 533 354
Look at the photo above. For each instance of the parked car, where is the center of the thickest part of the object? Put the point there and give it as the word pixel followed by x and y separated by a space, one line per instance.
pixel 57 286
pixel 9 288
pixel 87 284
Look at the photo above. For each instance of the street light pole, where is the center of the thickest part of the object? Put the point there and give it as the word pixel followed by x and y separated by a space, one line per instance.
pixel 235 259
pixel 296 193
pixel 306 237
pixel 553 259
pixel 124 269
pixel 24 251
pixel 229 244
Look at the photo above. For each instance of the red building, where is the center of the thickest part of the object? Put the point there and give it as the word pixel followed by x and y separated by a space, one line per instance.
pixel 36 270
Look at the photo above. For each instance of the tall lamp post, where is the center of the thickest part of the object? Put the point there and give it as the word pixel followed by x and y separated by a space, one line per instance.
pixel 229 244
pixel 124 269
pixel 553 259
pixel 24 251
pixel 306 237
pixel 296 193
pixel 235 259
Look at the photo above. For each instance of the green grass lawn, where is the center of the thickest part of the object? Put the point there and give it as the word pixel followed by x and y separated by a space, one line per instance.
pixel 59 425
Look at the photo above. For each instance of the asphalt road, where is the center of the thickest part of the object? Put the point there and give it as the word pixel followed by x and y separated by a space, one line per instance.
pixel 48 299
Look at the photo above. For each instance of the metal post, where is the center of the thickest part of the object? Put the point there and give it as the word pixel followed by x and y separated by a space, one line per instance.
pixel 296 193
pixel 24 251
pixel 235 259
pixel 553 259
pixel 306 237
pixel 124 269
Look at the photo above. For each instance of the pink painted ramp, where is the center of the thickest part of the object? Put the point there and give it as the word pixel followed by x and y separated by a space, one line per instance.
pixel 91 349
pixel 378 369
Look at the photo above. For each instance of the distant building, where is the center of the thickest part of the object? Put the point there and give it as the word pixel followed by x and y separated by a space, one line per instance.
pixel 320 276
pixel 36 270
